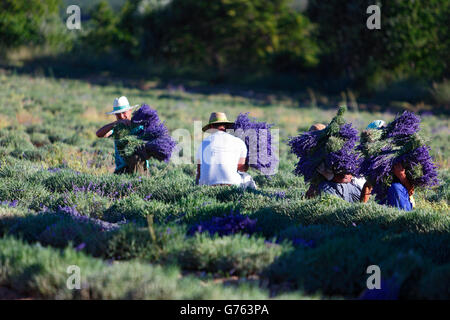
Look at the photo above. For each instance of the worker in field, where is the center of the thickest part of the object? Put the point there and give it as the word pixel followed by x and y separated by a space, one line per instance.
pixel 343 185
pixel 400 193
pixel 123 111
pixel 221 156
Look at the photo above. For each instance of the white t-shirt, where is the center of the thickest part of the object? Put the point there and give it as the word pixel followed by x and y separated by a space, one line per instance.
pixel 219 155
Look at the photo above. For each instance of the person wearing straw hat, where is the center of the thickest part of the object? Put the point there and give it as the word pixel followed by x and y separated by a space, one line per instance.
pixel 123 110
pixel 221 156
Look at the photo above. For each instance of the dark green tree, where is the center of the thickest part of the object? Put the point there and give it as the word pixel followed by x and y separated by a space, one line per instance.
pixel 22 22
pixel 412 42
pixel 226 34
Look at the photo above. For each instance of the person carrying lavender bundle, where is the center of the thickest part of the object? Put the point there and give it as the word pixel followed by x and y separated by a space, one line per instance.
pixel 328 159
pixel 123 110
pixel 221 156
pixel 400 192
pixel 344 186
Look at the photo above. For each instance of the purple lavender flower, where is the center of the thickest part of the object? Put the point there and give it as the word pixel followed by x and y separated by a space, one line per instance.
pixel 80 247
pixel 11 204
pixel 157 141
pixel 400 144
pixel 334 146
pixel 280 195
pixel 145 115
pixel 77 217
pixel 403 125
pixel 148 197
pixel 258 139
pixel 161 148
pixel 231 224
pixel 428 176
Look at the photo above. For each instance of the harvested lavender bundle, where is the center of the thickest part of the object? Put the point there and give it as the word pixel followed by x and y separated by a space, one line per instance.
pixel 258 139
pixel 146 136
pixel 399 142
pixel 333 147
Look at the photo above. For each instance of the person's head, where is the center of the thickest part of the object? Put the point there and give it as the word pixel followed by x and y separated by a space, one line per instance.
pixel 122 108
pixel 317 127
pixel 218 121
pixel 219 126
pixel 124 115
pixel 343 178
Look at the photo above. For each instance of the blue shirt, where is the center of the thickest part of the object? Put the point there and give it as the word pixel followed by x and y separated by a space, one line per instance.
pixel 398 196
pixel 348 191
pixel 120 162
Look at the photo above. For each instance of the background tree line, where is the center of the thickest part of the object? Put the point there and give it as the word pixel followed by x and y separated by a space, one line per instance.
pixel 329 38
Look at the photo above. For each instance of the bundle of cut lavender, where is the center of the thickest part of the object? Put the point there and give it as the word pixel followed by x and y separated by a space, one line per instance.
pixel 258 139
pixel 332 147
pixel 146 135
pixel 399 142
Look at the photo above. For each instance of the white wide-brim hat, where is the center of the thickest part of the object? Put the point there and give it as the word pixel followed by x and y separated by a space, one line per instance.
pixel 121 105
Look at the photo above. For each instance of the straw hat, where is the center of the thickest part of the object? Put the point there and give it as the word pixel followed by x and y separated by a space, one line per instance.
pixel 217 118
pixel 121 105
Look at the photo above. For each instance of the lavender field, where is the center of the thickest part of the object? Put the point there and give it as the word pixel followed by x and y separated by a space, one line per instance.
pixel 163 237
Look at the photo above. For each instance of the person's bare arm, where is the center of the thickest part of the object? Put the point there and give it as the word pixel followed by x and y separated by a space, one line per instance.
pixel 242 166
pixel 400 173
pixel 312 191
pixel 365 192
pixel 105 131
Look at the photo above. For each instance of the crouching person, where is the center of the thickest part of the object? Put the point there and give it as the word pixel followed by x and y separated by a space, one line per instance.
pixel 122 110
pixel 221 156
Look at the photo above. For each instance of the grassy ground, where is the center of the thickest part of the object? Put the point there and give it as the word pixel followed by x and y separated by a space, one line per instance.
pixel 51 162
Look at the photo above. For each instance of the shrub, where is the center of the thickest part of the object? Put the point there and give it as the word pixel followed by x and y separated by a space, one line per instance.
pixel 237 254
pixel 136 208
pixel 42 272
pixel 228 34
pixel 338 267
pixel 22 22
pixel 354 50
